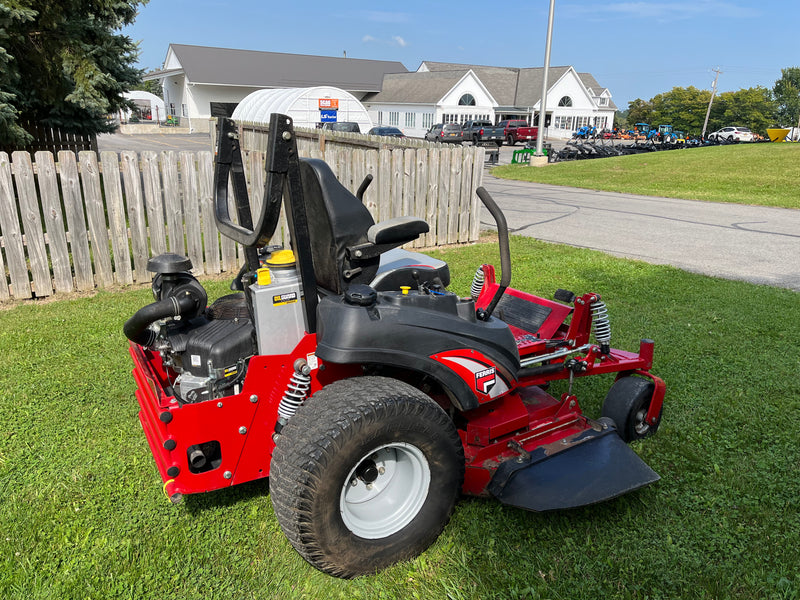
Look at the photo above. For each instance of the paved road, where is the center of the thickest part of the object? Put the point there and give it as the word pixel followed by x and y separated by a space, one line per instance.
pixel 750 243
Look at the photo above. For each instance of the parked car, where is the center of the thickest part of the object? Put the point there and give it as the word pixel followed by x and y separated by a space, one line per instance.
pixel 386 131
pixel 731 134
pixel 482 132
pixel 343 126
pixel 518 130
pixel 447 133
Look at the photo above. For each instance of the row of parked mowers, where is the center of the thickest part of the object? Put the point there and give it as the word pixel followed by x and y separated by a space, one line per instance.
pixel 588 143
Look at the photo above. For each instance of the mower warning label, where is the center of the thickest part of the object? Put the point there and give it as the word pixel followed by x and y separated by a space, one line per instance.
pixel 281 299
pixel 485 380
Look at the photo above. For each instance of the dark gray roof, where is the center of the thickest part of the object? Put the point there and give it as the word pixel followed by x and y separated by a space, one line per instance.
pixel 415 88
pixel 510 86
pixel 225 66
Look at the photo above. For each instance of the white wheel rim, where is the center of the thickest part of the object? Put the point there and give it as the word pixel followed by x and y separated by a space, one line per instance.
pixel 389 495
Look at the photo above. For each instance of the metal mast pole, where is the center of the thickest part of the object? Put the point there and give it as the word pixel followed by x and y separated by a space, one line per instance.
pixel 713 93
pixel 543 101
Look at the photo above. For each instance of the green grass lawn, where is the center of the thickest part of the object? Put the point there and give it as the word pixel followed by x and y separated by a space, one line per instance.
pixel 763 174
pixel 82 513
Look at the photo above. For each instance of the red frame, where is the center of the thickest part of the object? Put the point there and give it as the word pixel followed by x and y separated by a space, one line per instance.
pixel 514 415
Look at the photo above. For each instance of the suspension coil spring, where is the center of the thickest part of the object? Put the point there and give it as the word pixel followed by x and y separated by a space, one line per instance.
pixel 477 283
pixel 296 392
pixel 601 324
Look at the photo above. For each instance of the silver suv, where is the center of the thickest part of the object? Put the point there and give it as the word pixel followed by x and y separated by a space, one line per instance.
pixel 731 134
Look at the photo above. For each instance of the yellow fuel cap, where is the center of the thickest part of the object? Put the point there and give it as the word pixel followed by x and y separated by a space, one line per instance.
pixel 281 258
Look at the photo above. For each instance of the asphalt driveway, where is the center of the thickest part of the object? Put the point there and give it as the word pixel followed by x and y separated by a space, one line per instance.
pixel 750 243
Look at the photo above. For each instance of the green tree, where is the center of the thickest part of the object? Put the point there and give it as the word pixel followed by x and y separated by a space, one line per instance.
pixel 640 111
pixel 787 95
pixel 683 108
pixel 750 107
pixel 64 64
pixel 153 86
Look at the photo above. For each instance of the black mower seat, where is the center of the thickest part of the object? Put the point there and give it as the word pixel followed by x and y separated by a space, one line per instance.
pixel 346 244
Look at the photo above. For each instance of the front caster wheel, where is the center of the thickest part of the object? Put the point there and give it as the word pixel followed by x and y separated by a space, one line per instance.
pixel 366 474
pixel 627 403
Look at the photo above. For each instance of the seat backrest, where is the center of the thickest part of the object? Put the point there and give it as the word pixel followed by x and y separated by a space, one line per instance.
pixel 336 221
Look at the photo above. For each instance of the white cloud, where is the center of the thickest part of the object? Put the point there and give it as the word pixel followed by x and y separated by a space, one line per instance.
pixel 395 40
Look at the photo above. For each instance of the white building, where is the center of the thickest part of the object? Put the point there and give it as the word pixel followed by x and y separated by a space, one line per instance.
pixel 201 82
pixel 149 107
pixel 306 106
pixel 446 92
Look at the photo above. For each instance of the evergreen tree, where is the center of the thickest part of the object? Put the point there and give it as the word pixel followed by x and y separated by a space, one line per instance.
pixel 64 64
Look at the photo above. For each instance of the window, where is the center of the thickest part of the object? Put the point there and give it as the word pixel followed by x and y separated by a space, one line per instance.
pixel 565 101
pixel 427 120
pixel 223 109
pixel 603 101
pixel 184 111
pixel 466 100
pixel 394 118
pixel 411 119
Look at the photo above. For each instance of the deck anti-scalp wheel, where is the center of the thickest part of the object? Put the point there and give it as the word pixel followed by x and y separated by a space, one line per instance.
pixel 627 403
pixel 365 474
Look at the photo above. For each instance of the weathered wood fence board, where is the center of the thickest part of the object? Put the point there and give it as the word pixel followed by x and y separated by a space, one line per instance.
pixel 81 224
pixel 76 221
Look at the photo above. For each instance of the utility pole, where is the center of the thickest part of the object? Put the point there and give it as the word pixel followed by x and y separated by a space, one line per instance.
pixel 713 93
pixel 542 102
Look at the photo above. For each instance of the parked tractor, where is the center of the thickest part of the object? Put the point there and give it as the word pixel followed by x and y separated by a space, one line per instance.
pixel 371 396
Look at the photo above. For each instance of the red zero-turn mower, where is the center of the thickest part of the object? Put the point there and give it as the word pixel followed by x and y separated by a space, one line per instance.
pixel 370 395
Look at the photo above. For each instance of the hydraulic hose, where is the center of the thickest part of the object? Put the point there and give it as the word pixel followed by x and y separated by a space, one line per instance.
pixel 136 328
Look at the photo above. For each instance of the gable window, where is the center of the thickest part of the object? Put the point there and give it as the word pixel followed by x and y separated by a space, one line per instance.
pixel 466 100
pixel 565 101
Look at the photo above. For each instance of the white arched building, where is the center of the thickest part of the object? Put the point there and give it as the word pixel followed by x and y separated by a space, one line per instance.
pixel 446 93
pixel 306 106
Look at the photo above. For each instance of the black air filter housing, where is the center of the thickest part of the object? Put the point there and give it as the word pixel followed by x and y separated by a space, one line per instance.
pixel 218 344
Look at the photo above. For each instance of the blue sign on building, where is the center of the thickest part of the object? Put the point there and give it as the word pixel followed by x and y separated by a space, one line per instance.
pixel 327 116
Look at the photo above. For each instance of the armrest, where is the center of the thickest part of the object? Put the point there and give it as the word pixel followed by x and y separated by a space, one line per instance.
pixel 398 230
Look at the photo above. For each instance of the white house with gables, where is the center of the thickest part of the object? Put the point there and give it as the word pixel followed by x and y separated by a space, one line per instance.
pixel 202 82
pixel 446 92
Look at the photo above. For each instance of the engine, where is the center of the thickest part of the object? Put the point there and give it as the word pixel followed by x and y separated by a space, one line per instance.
pixel 208 347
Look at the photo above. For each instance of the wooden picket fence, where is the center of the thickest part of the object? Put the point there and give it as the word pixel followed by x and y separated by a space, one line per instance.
pixel 54 139
pixel 81 224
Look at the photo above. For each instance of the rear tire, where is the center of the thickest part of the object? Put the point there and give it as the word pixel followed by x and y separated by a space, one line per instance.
pixel 510 140
pixel 365 475
pixel 627 403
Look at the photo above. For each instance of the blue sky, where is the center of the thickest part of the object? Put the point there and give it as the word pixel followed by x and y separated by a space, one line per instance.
pixel 637 49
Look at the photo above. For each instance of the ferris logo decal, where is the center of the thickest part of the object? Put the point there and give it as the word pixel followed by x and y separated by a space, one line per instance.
pixel 485 380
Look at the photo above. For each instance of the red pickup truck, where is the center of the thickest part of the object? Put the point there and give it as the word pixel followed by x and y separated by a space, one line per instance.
pixel 518 131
